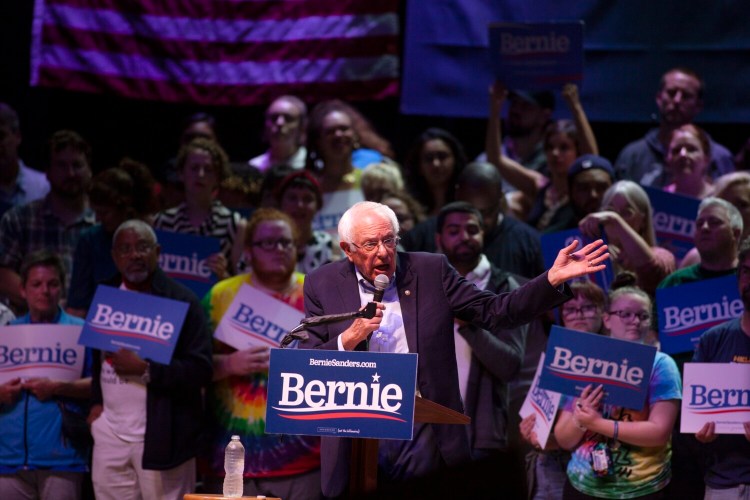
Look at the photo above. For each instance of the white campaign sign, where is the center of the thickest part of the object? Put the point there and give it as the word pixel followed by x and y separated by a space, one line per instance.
pixel 543 404
pixel 255 318
pixel 41 350
pixel 715 392
pixel 334 206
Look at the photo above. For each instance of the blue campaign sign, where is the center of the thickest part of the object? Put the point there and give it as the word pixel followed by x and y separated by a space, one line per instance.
pixel 686 311
pixel 552 243
pixel 537 56
pixel 341 393
pixel 575 359
pixel 674 220
pixel 183 258
pixel 145 324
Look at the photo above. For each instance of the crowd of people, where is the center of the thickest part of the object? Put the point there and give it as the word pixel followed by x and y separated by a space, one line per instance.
pixel 311 222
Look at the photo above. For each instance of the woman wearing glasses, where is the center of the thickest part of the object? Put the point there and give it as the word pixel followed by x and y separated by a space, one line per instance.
pixel 636 444
pixel 627 220
pixel 545 468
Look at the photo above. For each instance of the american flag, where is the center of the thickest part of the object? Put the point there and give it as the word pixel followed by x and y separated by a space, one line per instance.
pixel 218 52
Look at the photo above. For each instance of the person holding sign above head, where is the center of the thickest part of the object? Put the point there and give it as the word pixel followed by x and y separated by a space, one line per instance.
pixel 618 452
pixel 626 218
pixel 202 165
pixel 288 466
pixel 417 315
pixel 728 455
pixel 147 417
pixel 39 458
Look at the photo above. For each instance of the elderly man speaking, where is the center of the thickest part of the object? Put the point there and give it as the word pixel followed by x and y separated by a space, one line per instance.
pixel 416 315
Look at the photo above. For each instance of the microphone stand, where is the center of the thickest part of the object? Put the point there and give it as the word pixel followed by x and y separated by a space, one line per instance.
pixel 297 332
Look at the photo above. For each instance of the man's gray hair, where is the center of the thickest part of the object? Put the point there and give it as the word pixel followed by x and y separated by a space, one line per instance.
pixel 734 215
pixel 138 226
pixel 357 210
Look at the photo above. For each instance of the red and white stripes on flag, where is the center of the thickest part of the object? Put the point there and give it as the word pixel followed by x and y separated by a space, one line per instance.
pixel 218 52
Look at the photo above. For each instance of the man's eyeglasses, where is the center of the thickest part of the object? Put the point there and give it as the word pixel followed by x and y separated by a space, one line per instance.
pixel 284 243
pixel 371 246
pixel 643 317
pixel 587 311
pixel 140 248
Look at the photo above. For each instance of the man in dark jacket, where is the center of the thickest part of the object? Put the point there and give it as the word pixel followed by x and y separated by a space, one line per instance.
pixel 146 417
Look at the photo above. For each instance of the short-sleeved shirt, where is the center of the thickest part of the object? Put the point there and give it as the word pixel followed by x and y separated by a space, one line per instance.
pixel 638 470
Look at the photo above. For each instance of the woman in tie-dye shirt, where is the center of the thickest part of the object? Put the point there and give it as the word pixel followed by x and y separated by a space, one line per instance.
pixel 637 442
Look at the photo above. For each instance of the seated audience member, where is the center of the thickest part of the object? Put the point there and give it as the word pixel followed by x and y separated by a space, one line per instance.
pixel 588 179
pixel 408 210
pixel 626 219
pixel 53 222
pixel 509 243
pixel 284 131
pixel 117 194
pixel 277 466
pixel 487 360
pixel 147 417
pixel 202 165
pixel 432 165
pixel 39 458
pixel 728 455
pixel 638 441
pixel 687 159
pixel 19 184
pixel 540 196
pixel 679 100
pixel 340 142
pixel 546 467
pixel 718 229
pixel 379 178
pixel 299 196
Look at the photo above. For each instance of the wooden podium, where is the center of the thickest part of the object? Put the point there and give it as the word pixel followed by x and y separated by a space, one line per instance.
pixel 363 477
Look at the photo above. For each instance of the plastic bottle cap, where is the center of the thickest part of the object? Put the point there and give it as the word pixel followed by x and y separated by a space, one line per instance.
pixel 235 437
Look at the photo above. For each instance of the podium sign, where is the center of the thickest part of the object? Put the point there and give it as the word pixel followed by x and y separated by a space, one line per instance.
pixel 575 359
pixel 341 393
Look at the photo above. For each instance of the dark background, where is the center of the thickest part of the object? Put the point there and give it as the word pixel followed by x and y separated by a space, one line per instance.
pixel 148 131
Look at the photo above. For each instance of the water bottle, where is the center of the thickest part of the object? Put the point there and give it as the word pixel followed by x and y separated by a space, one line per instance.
pixel 234 466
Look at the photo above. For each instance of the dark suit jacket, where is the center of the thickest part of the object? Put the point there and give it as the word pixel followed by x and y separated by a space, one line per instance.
pixel 430 292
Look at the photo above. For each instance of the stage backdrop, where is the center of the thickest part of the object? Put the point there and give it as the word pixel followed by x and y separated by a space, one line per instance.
pixel 627 46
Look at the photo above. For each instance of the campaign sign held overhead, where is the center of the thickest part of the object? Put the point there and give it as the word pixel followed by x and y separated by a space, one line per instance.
pixel 575 359
pixel 686 311
pixel 552 243
pixel 143 323
pixel 715 392
pixel 674 220
pixel 537 56
pixel 183 258
pixel 341 393
pixel 40 350
pixel 254 318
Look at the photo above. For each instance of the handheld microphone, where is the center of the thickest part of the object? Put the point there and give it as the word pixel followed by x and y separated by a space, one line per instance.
pixel 381 283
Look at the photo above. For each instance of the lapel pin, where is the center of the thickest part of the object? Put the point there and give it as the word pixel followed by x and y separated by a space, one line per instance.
pixel 407 292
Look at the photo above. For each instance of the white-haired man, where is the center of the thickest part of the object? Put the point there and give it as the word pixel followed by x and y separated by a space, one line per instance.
pixel 416 315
